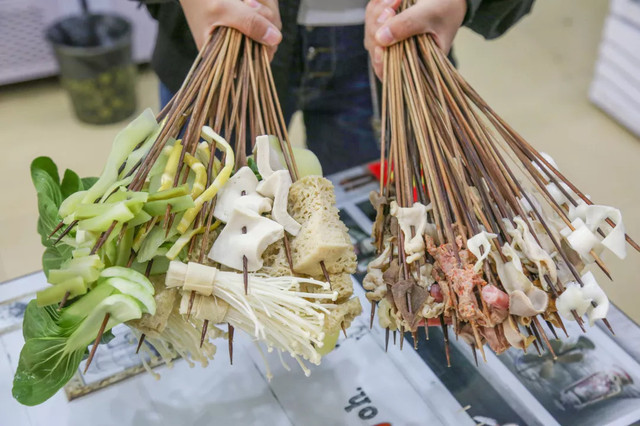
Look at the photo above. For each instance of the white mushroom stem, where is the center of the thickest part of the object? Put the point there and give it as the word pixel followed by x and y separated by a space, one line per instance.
pixel 275 311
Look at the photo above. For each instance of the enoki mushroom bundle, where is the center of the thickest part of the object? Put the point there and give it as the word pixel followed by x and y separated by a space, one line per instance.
pixel 475 229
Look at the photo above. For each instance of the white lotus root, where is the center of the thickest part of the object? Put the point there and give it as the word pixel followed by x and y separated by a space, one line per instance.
pixel 240 192
pixel 233 243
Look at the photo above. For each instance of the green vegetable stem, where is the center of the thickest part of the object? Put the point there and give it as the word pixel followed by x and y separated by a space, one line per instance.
pixel 55 342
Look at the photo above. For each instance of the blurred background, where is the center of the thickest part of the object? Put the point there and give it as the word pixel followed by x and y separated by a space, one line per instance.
pixel 566 77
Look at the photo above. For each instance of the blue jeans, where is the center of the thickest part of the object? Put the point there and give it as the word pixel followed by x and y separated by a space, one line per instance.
pixel 165 95
pixel 330 85
pixel 331 88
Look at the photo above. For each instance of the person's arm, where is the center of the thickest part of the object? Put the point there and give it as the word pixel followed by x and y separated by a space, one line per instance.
pixel 440 18
pixel 492 18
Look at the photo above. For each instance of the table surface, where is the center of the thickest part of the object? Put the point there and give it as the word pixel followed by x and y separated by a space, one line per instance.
pixel 357 384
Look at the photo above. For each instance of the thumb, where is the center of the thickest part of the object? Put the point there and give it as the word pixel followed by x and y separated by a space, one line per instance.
pixel 400 27
pixel 248 21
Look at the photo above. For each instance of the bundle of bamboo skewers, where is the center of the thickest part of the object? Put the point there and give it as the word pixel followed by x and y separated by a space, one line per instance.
pixel 253 243
pixel 475 229
pixel 230 88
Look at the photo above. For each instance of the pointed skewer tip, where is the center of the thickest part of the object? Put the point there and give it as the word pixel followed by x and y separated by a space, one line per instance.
pixel 373 312
pixel 140 342
pixel 205 325
pixel 97 342
pixel 386 339
pixel 231 330
pixel 64 300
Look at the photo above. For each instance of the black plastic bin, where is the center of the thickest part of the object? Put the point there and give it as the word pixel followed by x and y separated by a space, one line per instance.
pixel 96 66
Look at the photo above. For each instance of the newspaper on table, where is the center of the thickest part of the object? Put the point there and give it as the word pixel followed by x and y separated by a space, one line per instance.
pixel 594 381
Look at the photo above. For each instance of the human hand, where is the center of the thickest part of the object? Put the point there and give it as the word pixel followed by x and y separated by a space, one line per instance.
pixel 258 19
pixel 383 27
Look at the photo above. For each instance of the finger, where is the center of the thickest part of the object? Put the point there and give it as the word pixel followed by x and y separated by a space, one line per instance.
pixel 378 61
pixel 385 15
pixel 272 5
pixel 374 10
pixel 271 51
pixel 375 51
pixel 373 24
pixel 401 27
pixel 377 68
pixel 270 10
pixel 267 8
pixel 375 7
pixel 248 21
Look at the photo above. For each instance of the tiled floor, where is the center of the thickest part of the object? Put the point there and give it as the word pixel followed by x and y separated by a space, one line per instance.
pixel 537 77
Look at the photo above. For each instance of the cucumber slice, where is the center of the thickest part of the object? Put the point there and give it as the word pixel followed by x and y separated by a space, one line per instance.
pixel 136 291
pixel 140 218
pixel 121 309
pixel 124 246
pixel 118 212
pixel 86 267
pixel 159 266
pixel 81 308
pixel 54 294
pixel 130 275
pixel 87 211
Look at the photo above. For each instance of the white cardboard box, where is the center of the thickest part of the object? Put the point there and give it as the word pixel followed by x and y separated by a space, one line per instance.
pixel 616 84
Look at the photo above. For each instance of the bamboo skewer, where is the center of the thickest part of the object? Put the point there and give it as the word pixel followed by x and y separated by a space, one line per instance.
pixel 231 331
pixel 140 342
pixel 97 342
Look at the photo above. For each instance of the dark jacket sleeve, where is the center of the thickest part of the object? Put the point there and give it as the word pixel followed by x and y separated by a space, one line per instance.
pixel 153 5
pixel 492 18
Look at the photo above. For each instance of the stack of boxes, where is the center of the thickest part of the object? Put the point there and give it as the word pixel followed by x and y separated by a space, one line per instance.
pixel 616 84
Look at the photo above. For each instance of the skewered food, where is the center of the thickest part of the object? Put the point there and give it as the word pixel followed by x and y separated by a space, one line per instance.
pixel 475 227
pixel 179 235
